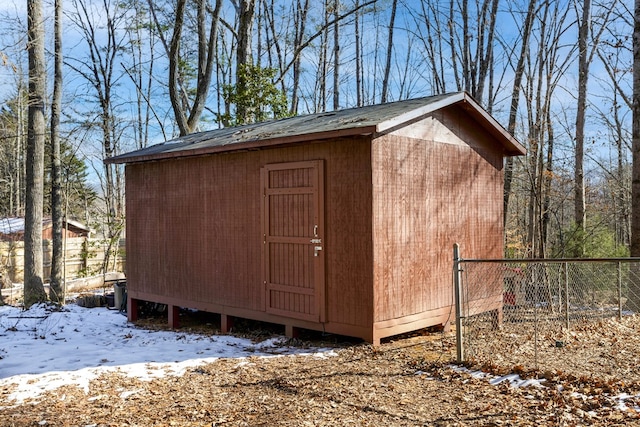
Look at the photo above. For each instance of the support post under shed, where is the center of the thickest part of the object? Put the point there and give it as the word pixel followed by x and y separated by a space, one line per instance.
pixel 174 316
pixel 226 323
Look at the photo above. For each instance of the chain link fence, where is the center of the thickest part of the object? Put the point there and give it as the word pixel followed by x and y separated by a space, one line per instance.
pixel 536 314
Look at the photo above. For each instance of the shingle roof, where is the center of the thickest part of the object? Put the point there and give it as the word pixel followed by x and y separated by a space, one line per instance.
pixel 373 119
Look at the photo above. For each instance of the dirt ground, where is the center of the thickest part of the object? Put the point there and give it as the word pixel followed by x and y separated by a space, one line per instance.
pixel 406 381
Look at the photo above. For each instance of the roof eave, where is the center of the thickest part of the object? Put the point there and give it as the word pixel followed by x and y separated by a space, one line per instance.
pixel 512 146
pixel 255 144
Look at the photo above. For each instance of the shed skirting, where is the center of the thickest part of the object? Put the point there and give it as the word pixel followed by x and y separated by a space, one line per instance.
pixel 441 316
pixel 444 316
pixel 329 327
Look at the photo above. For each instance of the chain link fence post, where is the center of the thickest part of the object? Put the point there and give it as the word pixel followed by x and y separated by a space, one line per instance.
pixel 565 268
pixel 619 290
pixel 458 296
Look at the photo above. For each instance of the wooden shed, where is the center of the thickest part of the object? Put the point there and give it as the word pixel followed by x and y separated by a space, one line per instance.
pixel 342 222
pixel 12 229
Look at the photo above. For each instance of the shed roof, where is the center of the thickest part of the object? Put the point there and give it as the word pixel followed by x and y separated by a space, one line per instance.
pixel 369 120
pixel 16 225
pixel 11 225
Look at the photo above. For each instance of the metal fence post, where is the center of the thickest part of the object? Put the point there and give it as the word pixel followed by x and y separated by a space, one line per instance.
pixel 457 283
pixel 619 290
pixel 566 293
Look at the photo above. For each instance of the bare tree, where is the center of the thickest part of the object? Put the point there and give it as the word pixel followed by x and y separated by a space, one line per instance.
pixel 458 40
pixel 546 66
pixel 336 55
pixel 302 41
pixel 141 70
pixel 323 63
pixel 525 36
pixel 613 55
pixel 285 38
pixel 103 43
pixel 583 76
pixel 187 111
pixel 387 66
pixel 12 168
pixel 13 115
pixel 358 59
pixel 587 46
pixel 33 282
pixel 634 302
pixel 429 28
pixel 56 292
pixel 301 13
pixel 472 45
pixel 245 12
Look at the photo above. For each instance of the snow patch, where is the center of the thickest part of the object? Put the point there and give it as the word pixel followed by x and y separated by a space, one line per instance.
pixel 44 348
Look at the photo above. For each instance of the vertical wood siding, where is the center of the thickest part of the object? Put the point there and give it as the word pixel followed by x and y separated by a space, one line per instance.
pixel 194 228
pixel 428 195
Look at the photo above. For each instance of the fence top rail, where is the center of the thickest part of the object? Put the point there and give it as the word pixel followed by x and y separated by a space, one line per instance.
pixel 549 260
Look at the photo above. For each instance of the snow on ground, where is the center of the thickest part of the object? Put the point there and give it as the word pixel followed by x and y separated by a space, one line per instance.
pixel 623 401
pixel 42 350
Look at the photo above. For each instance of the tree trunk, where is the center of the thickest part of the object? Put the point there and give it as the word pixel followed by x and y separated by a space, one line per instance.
pixel 273 39
pixel 336 56
pixel 33 283
pixel 515 99
pixel 56 292
pixel 588 42
pixel 622 193
pixel 583 76
pixel 387 66
pixel 243 53
pixel 300 23
pixel 206 57
pixel 433 41
pixel 323 64
pixel 466 63
pixel 174 71
pixel 186 113
pixel 358 43
pixel 634 285
pixel 485 60
pixel 546 188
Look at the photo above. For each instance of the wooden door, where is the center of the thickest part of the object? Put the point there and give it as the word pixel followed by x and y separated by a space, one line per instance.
pixel 293 230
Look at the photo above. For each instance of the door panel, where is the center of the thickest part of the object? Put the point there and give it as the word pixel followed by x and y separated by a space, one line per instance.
pixel 293 254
